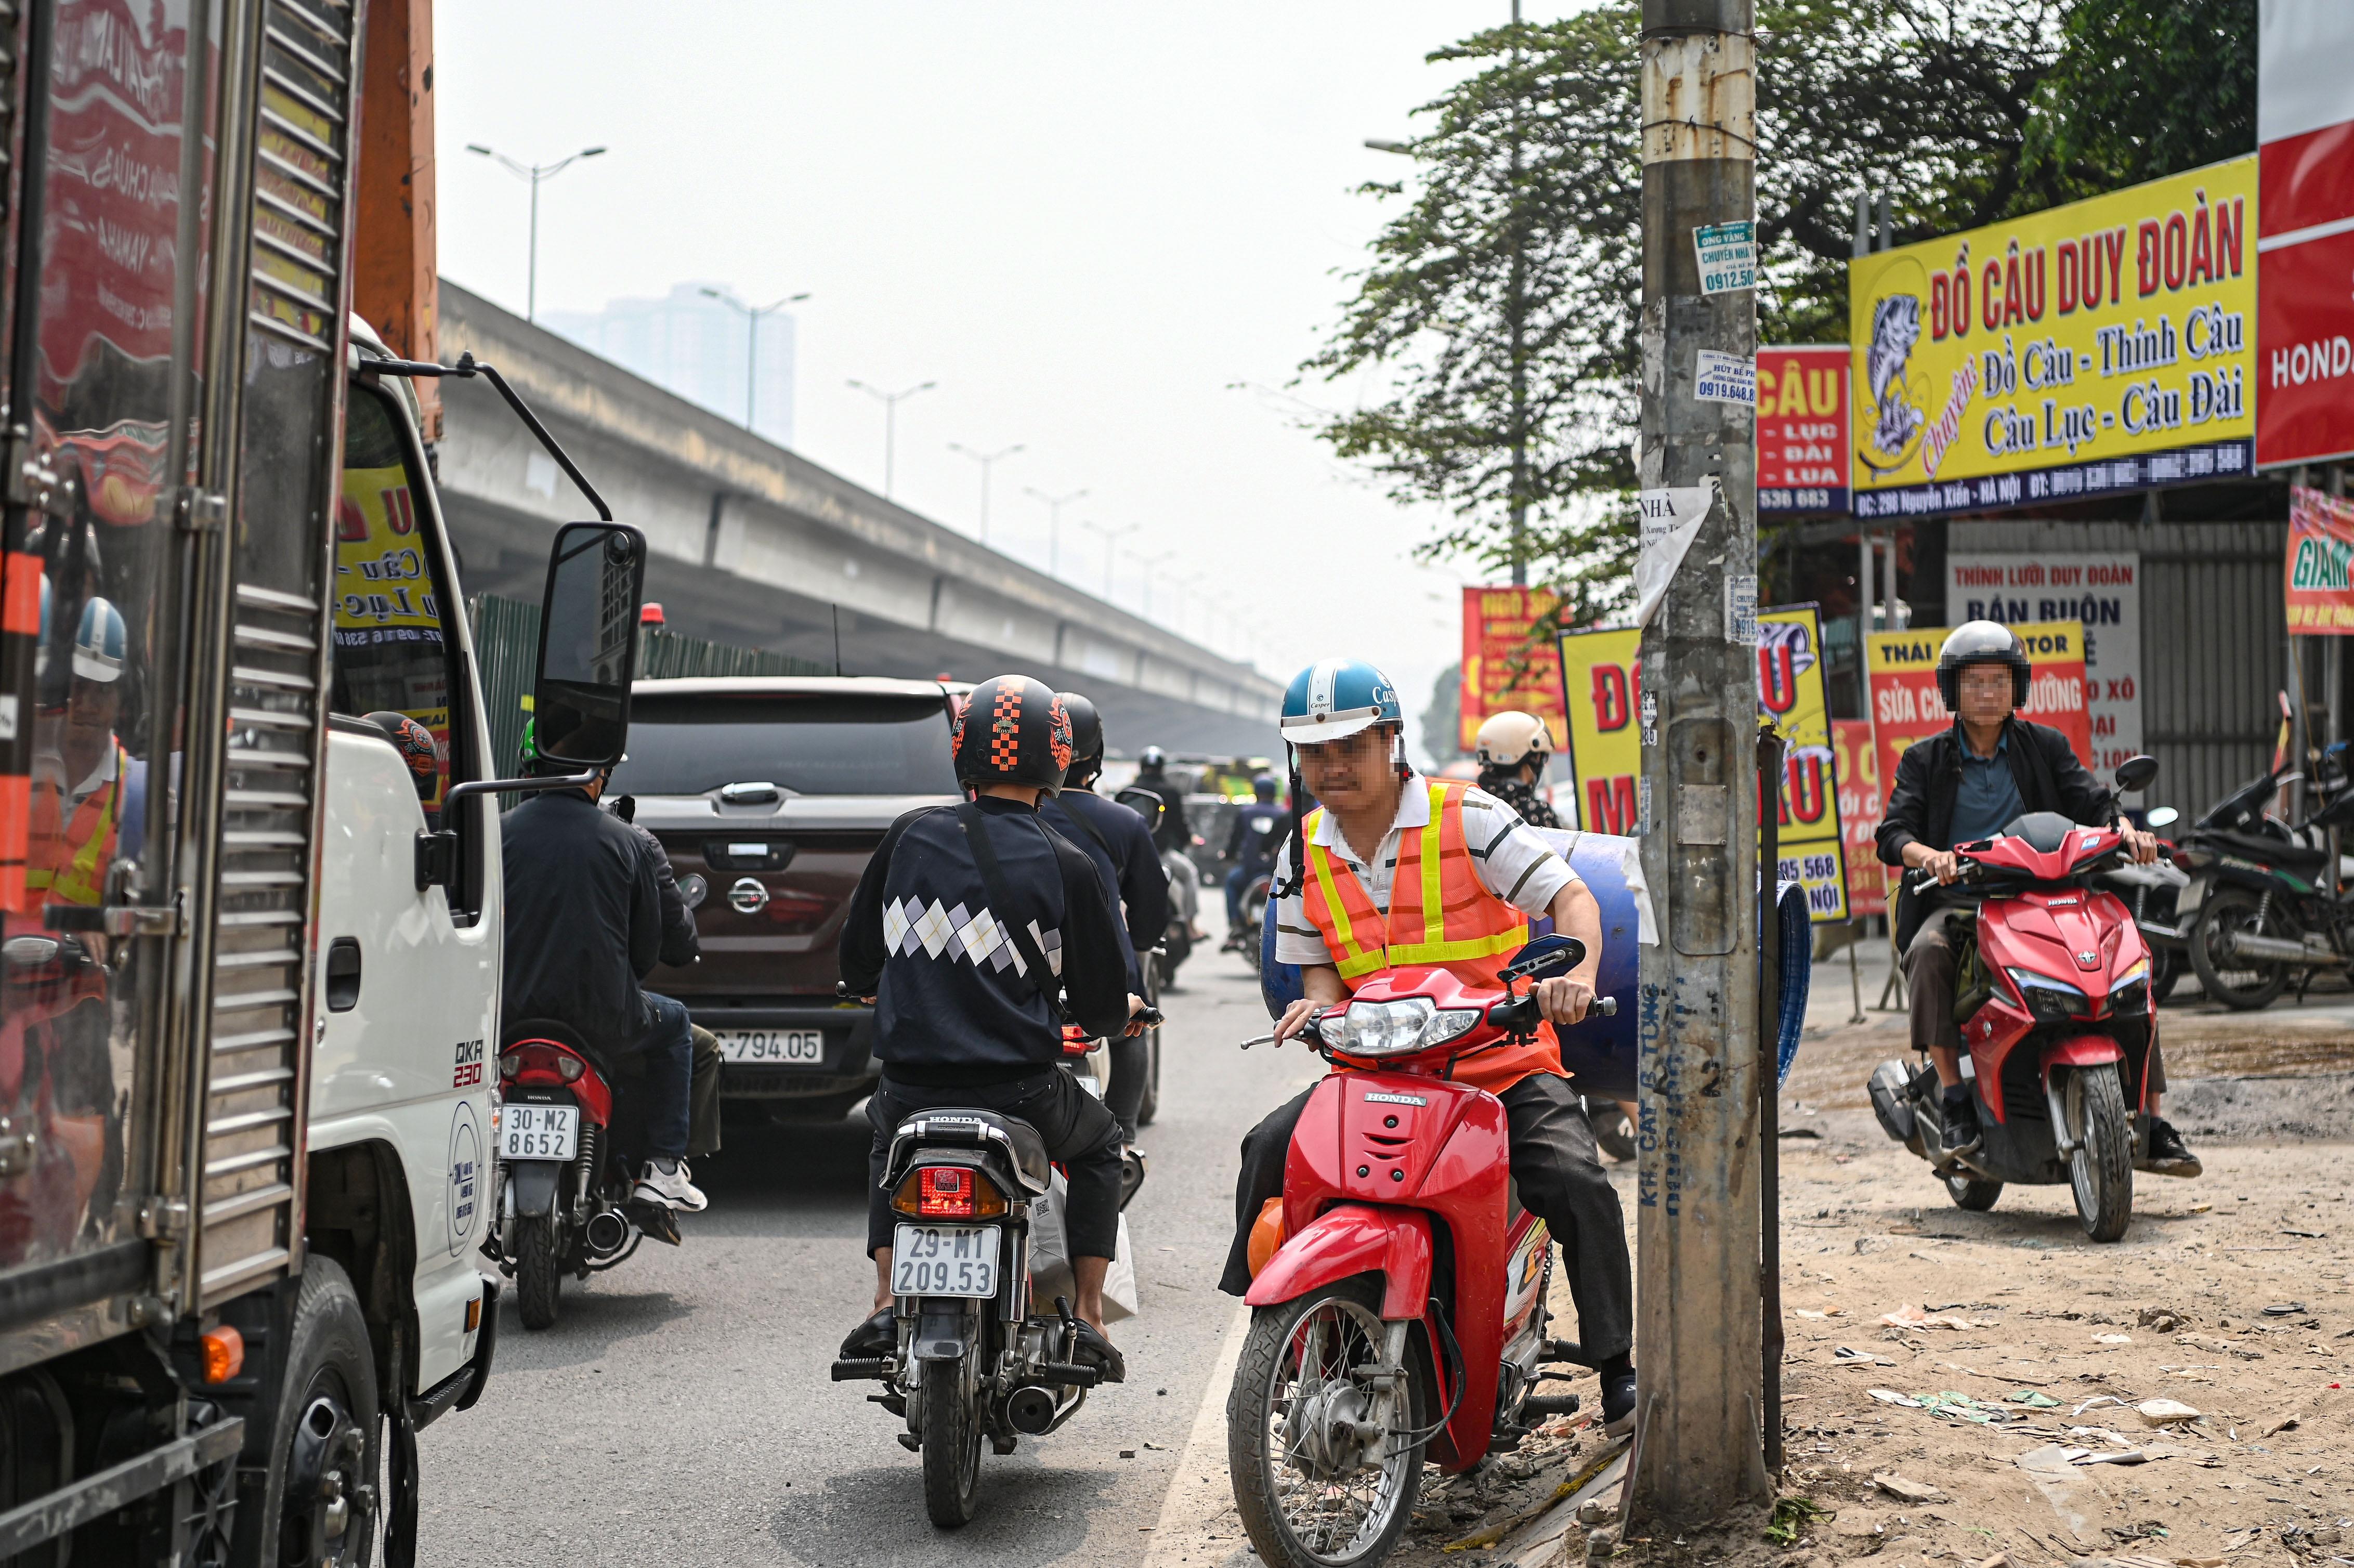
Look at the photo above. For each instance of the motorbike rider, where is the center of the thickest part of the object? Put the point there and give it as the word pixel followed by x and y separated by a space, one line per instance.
pixel 1251 844
pixel 1173 837
pixel 1335 881
pixel 82 772
pixel 968 1015
pixel 682 944
pixel 1117 840
pixel 1514 748
pixel 1965 785
pixel 583 927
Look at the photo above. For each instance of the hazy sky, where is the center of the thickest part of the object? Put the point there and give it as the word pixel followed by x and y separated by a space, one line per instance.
pixel 1110 232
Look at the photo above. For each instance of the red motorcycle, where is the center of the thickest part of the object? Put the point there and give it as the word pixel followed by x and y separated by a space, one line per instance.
pixel 1404 1312
pixel 2053 998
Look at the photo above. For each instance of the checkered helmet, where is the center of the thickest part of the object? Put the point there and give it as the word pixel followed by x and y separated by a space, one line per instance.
pixel 1014 730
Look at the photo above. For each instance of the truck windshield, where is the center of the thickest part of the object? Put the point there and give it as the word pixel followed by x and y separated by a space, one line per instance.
pixel 812 745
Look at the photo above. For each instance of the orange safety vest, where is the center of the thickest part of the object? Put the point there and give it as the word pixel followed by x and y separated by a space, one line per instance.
pixel 68 858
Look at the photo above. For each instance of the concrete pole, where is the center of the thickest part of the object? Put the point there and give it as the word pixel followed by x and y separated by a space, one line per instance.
pixel 1699 1302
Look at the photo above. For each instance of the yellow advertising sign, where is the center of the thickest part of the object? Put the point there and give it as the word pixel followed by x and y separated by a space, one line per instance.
pixel 1602 681
pixel 1791 692
pixel 2103 346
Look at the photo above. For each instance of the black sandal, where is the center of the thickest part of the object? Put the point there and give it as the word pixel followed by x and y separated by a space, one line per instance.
pixel 1092 1349
pixel 876 1338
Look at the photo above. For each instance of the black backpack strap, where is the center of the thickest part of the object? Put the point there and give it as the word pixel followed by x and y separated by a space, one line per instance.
pixel 993 881
pixel 1092 831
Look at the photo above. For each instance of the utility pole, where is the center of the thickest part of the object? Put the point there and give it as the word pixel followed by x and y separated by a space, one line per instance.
pixel 1699 1298
pixel 1111 538
pixel 987 461
pixel 1516 320
pixel 1055 504
pixel 891 401
pixel 752 314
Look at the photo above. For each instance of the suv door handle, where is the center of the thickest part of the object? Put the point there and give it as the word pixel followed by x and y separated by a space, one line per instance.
pixel 343 974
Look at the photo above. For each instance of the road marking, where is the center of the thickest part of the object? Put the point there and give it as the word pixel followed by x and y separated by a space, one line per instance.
pixel 1200 1498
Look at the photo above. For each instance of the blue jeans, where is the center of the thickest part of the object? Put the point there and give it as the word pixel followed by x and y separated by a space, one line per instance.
pixel 1237 880
pixel 668 1042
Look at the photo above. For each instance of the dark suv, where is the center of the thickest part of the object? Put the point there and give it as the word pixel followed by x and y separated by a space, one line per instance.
pixel 770 794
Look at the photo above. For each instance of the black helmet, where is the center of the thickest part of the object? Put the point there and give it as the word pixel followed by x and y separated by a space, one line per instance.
pixel 1153 760
pixel 1265 786
pixel 1014 730
pixel 1086 736
pixel 1981 643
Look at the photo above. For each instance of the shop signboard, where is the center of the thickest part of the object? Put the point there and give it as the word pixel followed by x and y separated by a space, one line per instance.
pixel 2101 590
pixel 2320 546
pixel 1859 812
pixel 1901 668
pixel 2304 231
pixel 1802 408
pixel 1602 679
pixel 2104 346
pixel 1790 693
pixel 1502 668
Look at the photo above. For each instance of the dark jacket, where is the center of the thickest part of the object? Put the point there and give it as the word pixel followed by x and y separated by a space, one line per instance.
pixel 1929 775
pixel 945 1015
pixel 1119 844
pixel 1256 836
pixel 1174 832
pixel 583 918
pixel 681 943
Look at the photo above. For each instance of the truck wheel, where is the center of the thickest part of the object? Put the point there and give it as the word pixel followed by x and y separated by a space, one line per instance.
pixel 2244 984
pixel 1312 1491
pixel 539 1272
pixel 951 1446
pixel 2101 1170
pixel 315 1509
pixel 1969 1192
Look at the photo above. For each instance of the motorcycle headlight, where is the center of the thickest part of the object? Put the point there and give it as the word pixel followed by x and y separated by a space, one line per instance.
pixel 1394 1028
pixel 2131 992
pixel 2049 1000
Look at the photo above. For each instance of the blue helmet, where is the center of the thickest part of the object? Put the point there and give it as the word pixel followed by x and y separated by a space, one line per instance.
pixel 1337 697
pixel 98 642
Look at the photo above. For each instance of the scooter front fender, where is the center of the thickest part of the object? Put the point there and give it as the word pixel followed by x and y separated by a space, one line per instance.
pixel 2081 1051
pixel 1352 1239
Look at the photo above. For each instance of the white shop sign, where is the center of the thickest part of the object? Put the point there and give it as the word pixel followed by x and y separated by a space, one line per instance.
pixel 2104 591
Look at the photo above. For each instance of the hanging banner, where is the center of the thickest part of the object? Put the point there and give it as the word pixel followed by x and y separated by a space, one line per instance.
pixel 2102 591
pixel 1502 669
pixel 2304 231
pixel 1602 690
pixel 1859 813
pixel 2320 544
pixel 2103 346
pixel 1902 670
pixel 1802 450
pixel 1790 693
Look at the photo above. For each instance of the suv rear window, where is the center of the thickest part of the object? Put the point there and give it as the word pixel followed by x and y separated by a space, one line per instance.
pixel 811 745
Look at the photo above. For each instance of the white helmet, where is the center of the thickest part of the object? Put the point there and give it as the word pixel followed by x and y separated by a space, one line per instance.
pixel 1512 737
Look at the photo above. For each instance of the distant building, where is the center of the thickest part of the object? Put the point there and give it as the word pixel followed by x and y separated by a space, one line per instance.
pixel 694 345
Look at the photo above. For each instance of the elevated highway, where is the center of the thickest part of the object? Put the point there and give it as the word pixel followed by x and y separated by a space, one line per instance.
pixel 754 545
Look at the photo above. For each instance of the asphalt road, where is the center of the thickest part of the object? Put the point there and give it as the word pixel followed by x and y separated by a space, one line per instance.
pixel 679 1413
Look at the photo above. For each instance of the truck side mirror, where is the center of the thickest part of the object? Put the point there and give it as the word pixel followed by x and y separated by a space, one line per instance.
pixel 587 644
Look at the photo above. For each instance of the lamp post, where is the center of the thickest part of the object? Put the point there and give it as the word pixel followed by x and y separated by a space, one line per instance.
pixel 891 401
pixel 1111 538
pixel 534 174
pixel 752 314
pixel 1055 504
pixel 1152 563
pixel 987 461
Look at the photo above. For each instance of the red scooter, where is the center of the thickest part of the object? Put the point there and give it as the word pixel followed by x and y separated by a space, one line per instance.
pixel 2053 998
pixel 1404 1312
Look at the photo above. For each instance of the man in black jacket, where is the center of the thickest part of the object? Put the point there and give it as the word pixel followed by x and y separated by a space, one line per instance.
pixel 682 944
pixel 1965 785
pixel 968 992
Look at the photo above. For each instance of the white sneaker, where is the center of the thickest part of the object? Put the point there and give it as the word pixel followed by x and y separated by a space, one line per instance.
pixel 671 1186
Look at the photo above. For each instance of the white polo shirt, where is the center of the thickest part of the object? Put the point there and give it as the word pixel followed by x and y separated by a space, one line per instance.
pixel 1512 861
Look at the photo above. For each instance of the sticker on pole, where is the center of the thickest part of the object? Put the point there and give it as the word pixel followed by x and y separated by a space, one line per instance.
pixel 1672 520
pixel 1725 378
pixel 1728 257
pixel 1740 610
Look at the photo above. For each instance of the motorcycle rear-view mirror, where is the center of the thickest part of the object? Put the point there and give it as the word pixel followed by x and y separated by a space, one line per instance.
pixel 1145 803
pixel 2135 773
pixel 587 644
pixel 2163 817
pixel 1545 958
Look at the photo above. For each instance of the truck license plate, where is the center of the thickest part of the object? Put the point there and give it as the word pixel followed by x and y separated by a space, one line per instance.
pixel 538 1132
pixel 793 1047
pixel 944 1260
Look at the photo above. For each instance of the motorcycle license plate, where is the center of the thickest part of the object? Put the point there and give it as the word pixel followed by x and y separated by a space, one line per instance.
pixel 792 1047
pixel 538 1132
pixel 944 1260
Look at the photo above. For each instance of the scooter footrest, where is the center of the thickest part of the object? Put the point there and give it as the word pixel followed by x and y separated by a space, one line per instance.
pixel 1565 1351
pixel 1542 1406
pixel 852 1371
pixel 653 1220
pixel 1069 1375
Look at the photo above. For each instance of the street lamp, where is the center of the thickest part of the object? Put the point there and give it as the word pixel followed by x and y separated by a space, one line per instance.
pixel 1111 538
pixel 534 174
pixel 891 401
pixel 1055 504
pixel 986 460
pixel 752 313
pixel 1152 563
pixel 1385 144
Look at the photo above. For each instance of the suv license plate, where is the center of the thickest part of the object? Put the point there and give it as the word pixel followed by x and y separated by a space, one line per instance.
pixel 538 1132
pixel 793 1047
pixel 944 1260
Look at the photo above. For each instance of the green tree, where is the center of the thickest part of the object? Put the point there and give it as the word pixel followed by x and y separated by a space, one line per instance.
pixel 2141 91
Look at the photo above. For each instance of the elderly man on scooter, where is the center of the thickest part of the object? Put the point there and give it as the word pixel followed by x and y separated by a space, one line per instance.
pixel 1382 830
pixel 1965 785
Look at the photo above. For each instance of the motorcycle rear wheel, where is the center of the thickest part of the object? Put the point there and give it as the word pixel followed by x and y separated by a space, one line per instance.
pixel 1296 1518
pixel 2100 1172
pixel 2244 984
pixel 951 1446
pixel 1969 1192
pixel 539 1270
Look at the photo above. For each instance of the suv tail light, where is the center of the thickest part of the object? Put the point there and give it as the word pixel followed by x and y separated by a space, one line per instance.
pixel 948 1193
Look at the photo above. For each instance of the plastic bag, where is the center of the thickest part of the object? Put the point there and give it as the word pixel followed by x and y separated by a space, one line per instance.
pixel 1050 1259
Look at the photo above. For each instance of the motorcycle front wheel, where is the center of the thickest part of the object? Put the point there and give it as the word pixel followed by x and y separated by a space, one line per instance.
pixel 2244 984
pixel 951 1446
pixel 2101 1169
pixel 1310 1491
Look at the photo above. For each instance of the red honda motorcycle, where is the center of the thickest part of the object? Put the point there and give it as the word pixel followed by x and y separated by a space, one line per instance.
pixel 1404 1312
pixel 2053 998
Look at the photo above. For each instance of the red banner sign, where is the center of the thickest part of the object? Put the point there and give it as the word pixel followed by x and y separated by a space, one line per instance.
pixel 1802 445
pixel 1502 669
pixel 2320 546
pixel 2304 234
pixel 1859 812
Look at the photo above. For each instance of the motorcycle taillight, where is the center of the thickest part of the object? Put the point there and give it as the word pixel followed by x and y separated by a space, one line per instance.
pixel 948 1193
pixel 569 1068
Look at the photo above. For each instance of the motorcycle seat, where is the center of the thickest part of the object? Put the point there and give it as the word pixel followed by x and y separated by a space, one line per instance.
pixel 2270 851
pixel 970 1123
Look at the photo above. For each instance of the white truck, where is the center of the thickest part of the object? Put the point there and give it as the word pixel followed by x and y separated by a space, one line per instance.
pixel 249 949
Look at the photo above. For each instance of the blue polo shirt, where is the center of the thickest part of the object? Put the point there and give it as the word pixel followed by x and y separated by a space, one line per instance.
pixel 1988 795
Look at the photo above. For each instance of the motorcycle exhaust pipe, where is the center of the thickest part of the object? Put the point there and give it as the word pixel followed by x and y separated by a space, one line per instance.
pixel 2280 950
pixel 1030 1410
pixel 608 1233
